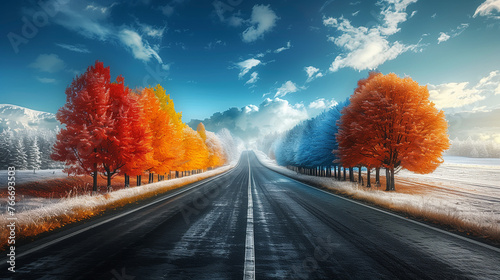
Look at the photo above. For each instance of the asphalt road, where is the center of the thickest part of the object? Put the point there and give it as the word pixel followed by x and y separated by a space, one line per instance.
pixel 283 229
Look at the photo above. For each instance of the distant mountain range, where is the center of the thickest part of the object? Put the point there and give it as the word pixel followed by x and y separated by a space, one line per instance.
pixel 20 118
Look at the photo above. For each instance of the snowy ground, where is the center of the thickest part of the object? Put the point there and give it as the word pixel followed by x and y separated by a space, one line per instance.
pixel 461 189
pixel 472 183
pixel 26 176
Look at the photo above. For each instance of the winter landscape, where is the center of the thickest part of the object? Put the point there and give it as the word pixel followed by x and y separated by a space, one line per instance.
pixel 242 139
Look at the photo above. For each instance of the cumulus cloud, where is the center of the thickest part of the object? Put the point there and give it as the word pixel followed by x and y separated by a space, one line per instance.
pixel 286 88
pixel 322 103
pixel 312 73
pixel 50 63
pixel 369 47
pixel 489 8
pixel 263 19
pixel 458 95
pixel 246 65
pixel 443 37
pixel 253 78
pixel 74 48
pixel 252 122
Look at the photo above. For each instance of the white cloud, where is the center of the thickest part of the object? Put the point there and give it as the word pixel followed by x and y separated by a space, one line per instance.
pixel 92 21
pixel 74 48
pixel 443 37
pixel 140 49
pixel 167 10
pixel 213 44
pixel 253 122
pixel 46 80
pixel 355 13
pixel 488 8
pixel 50 63
pixel 453 95
pixel 235 21
pixel 286 88
pixel 155 32
pixel 263 19
pixel 369 47
pixel 413 14
pixel 89 21
pixel 322 103
pixel 254 77
pixel 312 73
pixel 288 46
pixel 246 65
pixel 457 95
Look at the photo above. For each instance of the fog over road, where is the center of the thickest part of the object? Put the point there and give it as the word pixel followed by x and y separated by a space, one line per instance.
pixel 254 223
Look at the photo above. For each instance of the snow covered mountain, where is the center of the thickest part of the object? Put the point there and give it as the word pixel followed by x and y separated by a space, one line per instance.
pixel 20 118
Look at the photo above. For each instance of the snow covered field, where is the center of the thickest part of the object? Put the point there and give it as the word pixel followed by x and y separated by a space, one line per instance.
pixel 26 176
pixel 463 193
pixel 472 184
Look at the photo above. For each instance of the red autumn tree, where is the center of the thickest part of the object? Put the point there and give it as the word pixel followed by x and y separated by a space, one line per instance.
pixel 392 123
pixel 128 144
pixel 88 123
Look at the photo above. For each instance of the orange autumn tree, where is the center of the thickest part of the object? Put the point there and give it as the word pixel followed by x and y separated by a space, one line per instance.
pixel 391 123
pixel 196 152
pixel 161 130
pixel 214 146
pixel 176 148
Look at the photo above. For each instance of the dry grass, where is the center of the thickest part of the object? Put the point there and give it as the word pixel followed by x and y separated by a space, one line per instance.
pixel 77 208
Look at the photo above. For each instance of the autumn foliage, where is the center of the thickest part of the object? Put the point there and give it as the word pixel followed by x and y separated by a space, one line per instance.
pixel 388 122
pixel 110 129
pixel 391 123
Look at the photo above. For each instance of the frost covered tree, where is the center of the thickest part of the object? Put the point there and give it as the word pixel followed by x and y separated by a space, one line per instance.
pixel 19 157
pixel 33 153
pixel 6 148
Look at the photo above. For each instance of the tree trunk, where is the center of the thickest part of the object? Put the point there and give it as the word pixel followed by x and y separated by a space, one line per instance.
pixel 94 177
pixel 127 181
pixel 138 180
pixel 351 174
pixel 360 179
pixel 344 174
pixel 377 176
pixel 368 184
pixel 393 185
pixel 109 181
pixel 387 180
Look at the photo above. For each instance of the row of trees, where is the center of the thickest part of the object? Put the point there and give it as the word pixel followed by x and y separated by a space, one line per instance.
pixel 27 149
pixel 111 129
pixel 474 148
pixel 388 122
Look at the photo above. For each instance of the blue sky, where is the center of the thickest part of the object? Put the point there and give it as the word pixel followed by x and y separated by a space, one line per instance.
pixel 279 60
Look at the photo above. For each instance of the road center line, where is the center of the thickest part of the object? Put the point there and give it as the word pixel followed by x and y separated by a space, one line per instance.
pixel 249 265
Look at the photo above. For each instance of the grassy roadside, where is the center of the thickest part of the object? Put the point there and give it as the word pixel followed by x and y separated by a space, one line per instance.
pixel 409 204
pixel 74 209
